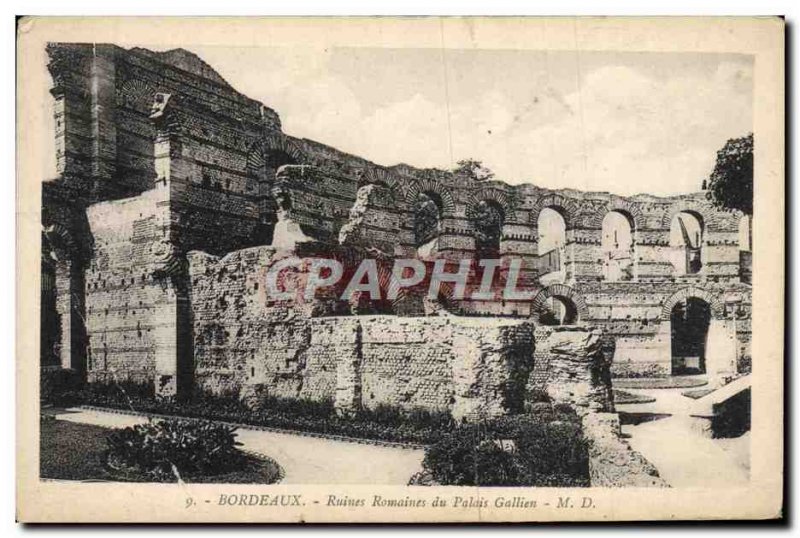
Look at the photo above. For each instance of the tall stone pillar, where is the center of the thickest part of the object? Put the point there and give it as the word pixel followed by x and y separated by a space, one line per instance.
pixel 171 319
pixel 69 305
pixel 518 241
pixel 103 104
pixel 69 293
pixel 721 349
pixel 348 365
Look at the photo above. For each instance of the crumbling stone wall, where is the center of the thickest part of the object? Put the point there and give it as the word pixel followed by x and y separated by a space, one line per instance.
pixel 131 303
pixel 406 362
pixel 136 123
pixel 573 366
pixel 246 343
pixel 612 461
pixel 633 313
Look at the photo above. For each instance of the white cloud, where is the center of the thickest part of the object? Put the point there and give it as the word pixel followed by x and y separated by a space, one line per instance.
pixel 625 129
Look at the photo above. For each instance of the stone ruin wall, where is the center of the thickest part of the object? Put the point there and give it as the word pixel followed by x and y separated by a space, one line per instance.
pixel 184 163
pixel 632 311
pixel 474 367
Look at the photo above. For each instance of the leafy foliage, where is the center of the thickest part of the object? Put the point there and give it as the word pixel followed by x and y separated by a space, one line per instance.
pixel 386 423
pixel 473 169
pixel 167 448
pixel 546 449
pixel 427 214
pixel 488 223
pixel 59 386
pixel 731 183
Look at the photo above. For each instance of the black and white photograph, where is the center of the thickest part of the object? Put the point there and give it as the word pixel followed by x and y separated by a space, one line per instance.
pixel 420 269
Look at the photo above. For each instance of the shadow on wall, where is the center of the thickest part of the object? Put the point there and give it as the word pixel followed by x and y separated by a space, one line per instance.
pixel 732 417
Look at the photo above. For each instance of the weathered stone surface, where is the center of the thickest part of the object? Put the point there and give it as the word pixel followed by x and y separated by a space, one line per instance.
pixel 575 362
pixel 475 367
pixel 208 169
pixel 490 368
pixel 612 462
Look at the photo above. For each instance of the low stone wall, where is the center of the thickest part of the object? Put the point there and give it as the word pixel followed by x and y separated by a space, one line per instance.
pixel 612 461
pixel 572 365
pixel 472 367
pixel 131 312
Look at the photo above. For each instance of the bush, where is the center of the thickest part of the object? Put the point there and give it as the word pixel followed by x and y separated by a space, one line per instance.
pixel 123 392
pixel 190 448
pixel 60 387
pixel 547 449
pixel 384 423
pixel 744 364
pixel 469 458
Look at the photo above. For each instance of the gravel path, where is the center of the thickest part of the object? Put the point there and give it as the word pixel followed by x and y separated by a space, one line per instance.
pixel 683 453
pixel 305 460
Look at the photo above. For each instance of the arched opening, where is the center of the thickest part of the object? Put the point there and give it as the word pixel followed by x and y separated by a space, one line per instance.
pixel 263 165
pixel 559 310
pixel 50 320
pixel 686 242
pixel 487 220
pixel 552 229
pixel 689 322
pixel 266 166
pixel 551 239
pixel 427 211
pixel 618 246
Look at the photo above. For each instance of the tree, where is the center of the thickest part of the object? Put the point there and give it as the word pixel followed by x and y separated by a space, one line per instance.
pixel 488 223
pixel 473 169
pixel 730 185
pixel 426 219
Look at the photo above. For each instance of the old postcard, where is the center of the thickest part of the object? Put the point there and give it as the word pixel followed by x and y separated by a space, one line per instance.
pixel 400 269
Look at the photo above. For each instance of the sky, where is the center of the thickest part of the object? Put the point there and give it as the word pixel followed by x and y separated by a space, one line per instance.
pixel 622 122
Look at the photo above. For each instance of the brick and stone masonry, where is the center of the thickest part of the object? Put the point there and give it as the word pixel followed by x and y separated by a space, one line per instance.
pixel 175 193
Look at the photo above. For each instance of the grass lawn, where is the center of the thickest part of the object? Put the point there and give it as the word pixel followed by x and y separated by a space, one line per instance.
pixel 70 451
pixel 696 394
pixel 625 397
pixel 671 382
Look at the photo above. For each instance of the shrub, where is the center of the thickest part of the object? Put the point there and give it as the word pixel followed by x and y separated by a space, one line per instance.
pixel 124 391
pixel 60 387
pixel 386 423
pixel 190 448
pixel 537 396
pixel 744 364
pixel 547 449
pixel 468 457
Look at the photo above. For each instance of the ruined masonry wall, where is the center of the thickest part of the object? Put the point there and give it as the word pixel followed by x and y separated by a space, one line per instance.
pixel 127 308
pixel 247 345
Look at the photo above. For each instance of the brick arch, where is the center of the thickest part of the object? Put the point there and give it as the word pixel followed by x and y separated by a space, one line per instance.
pixel 286 145
pixel 170 265
pixel 260 149
pixel 717 308
pixel 631 210
pixel 60 238
pixel 494 195
pixel 560 290
pixel 699 210
pixel 381 176
pixel 415 188
pixel 565 206
pixel 166 260
pixel 137 93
